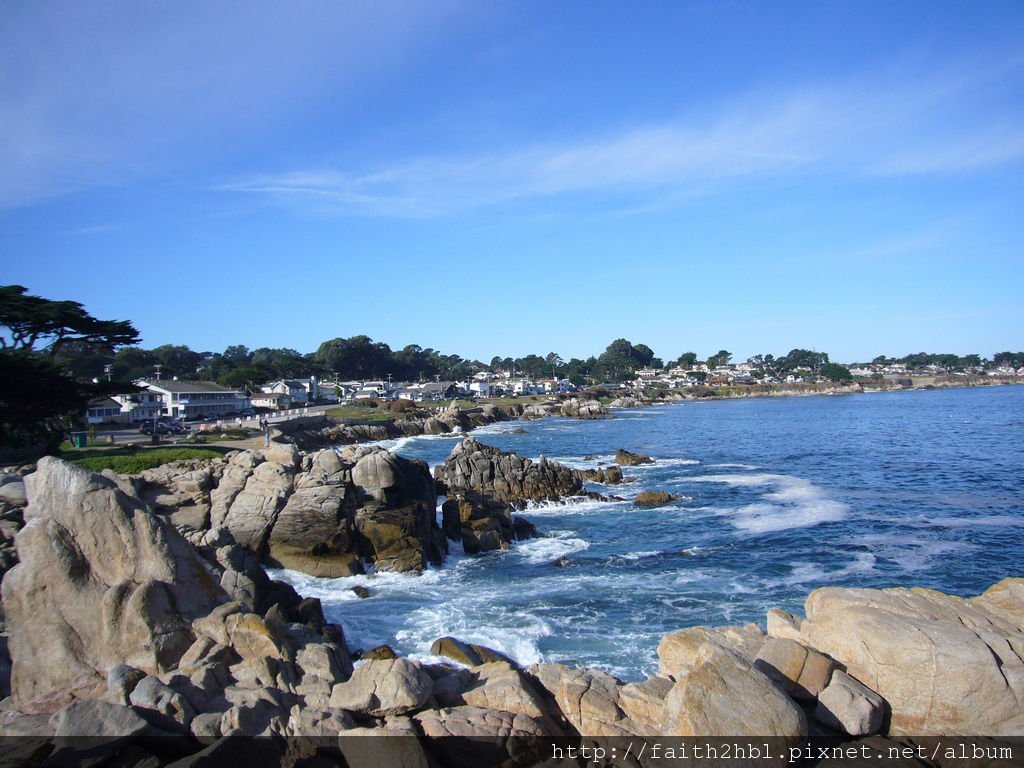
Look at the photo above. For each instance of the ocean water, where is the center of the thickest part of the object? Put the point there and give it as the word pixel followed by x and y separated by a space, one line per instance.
pixel 778 497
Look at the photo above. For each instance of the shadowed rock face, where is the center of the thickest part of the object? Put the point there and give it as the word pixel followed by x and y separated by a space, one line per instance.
pixel 101 581
pixel 486 484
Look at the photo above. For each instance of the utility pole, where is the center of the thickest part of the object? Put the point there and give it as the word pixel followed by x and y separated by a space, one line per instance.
pixel 109 371
pixel 156 369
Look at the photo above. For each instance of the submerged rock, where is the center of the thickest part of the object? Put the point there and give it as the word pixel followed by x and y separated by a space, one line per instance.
pixel 470 654
pixel 654 498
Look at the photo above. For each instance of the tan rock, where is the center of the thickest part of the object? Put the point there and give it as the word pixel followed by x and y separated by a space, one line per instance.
pixel 724 695
pixel 783 624
pixel 802 672
pixel 484 736
pixel 382 687
pixel 313 533
pixel 678 651
pixel 644 703
pixel 101 582
pixel 399 747
pixel 253 637
pixel 254 510
pixel 944 664
pixel 848 706
pixel 499 685
pixel 587 698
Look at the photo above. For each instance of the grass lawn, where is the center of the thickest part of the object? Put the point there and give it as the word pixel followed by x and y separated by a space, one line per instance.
pixel 360 413
pixel 220 435
pixel 130 459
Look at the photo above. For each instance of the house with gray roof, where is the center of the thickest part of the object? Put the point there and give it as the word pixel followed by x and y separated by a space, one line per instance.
pixel 191 399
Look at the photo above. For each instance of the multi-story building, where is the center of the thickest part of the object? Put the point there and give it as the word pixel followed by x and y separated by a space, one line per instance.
pixel 140 406
pixel 191 399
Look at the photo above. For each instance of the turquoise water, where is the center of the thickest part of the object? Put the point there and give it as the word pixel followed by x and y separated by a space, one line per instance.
pixel 779 496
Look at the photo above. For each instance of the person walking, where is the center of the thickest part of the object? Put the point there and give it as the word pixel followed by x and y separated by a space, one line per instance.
pixel 266 433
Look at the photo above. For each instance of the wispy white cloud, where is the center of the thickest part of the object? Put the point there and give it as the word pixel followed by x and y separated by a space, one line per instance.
pixel 98 93
pixel 877 128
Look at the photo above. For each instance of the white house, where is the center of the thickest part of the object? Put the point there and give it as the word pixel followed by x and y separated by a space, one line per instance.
pixel 140 406
pixel 299 391
pixel 189 399
pixel 105 410
pixel 275 400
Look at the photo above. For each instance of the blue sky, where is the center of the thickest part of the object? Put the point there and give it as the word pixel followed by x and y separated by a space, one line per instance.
pixel 514 178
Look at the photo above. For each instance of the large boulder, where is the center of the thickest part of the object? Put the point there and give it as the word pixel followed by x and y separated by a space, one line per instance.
pixel 944 664
pixel 470 654
pixel 722 694
pixel 314 533
pixel 255 508
pixel 181 489
pixel 101 582
pixel 395 539
pixel 391 480
pixel 382 687
pixel 475 736
pixel 588 699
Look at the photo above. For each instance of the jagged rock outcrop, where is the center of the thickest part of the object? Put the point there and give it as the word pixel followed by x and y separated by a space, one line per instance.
pixel 485 485
pixel 944 664
pixel 611 475
pixel 473 467
pixel 320 513
pixel 582 409
pixel 112 607
pixel 12 519
pixel 101 581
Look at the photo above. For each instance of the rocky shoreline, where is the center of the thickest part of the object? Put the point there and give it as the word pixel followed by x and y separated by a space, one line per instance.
pixel 322 432
pixel 139 611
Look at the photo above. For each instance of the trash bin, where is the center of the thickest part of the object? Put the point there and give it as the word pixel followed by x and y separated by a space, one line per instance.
pixel 80 439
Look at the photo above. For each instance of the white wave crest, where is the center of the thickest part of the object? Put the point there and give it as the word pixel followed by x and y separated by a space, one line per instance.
pixel 548 549
pixel 790 502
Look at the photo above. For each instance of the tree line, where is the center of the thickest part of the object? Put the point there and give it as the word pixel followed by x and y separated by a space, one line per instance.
pixel 55 356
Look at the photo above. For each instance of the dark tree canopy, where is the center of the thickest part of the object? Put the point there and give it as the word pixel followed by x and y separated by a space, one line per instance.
pixel 38 394
pixel 31 323
pixel 836 372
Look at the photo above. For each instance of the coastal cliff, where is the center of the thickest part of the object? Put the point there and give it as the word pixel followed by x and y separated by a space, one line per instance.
pixel 120 625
